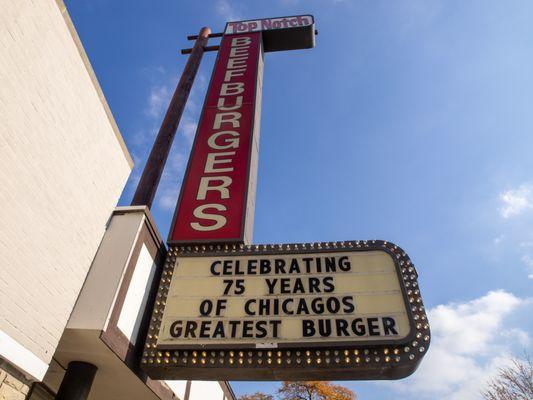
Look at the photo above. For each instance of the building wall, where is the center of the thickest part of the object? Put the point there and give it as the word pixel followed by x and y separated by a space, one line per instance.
pixel 64 165
pixel 13 384
pixel 201 390
pixel 106 323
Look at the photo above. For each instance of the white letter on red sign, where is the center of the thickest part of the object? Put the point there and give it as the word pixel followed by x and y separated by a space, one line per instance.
pixel 205 187
pixel 231 89
pixel 233 119
pixel 222 101
pixel 241 41
pixel 220 220
pixel 228 143
pixel 210 166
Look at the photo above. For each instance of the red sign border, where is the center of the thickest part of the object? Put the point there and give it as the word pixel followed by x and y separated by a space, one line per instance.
pixel 240 239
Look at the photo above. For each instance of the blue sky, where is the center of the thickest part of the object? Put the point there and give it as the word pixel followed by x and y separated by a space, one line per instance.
pixel 410 122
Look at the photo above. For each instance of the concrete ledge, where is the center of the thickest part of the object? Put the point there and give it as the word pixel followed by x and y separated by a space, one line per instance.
pixel 21 357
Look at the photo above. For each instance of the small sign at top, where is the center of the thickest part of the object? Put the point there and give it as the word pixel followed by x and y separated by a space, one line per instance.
pixel 282 33
pixel 266 24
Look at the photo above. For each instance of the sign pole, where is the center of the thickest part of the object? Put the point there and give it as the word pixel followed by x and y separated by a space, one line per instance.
pixel 145 193
pixel 77 382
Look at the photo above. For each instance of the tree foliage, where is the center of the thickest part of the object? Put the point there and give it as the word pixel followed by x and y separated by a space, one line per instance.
pixel 257 396
pixel 512 383
pixel 305 390
pixel 314 390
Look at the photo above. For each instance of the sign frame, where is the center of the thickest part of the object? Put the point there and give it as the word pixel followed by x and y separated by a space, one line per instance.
pixel 250 175
pixel 283 38
pixel 340 361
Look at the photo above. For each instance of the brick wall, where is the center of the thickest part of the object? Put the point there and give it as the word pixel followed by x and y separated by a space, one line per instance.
pixel 64 166
pixel 13 385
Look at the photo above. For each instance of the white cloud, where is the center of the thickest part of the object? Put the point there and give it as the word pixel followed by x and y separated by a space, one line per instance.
pixel 528 262
pixel 516 201
pixel 498 240
pixel 158 100
pixel 470 341
pixel 168 189
pixel 188 128
pixel 468 327
pixel 516 240
pixel 177 162
pixel 201 82
pixel 140 138
pixel 133 181
pixel 519 335
pixel 189 120
pixel 156 104
pixel 167 199
pixel 144 138
pixel 227 11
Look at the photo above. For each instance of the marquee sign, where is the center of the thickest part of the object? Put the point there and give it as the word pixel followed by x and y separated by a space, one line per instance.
pixel 349 310
pixel 280 300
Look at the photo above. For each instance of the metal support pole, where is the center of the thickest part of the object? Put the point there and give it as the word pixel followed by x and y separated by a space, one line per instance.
pixel 211 35
pixel 145 193
pixel 77 381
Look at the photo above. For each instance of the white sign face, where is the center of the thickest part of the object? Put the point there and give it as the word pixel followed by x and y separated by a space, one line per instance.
pixel 268 24
pixel 285 300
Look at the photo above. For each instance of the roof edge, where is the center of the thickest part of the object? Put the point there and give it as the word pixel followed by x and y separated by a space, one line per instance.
pixel 66 16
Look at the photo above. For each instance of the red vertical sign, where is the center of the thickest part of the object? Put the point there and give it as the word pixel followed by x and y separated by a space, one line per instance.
pixel 219 185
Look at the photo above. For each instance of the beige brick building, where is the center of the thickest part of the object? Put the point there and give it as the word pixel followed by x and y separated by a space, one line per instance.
pixel 64 165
